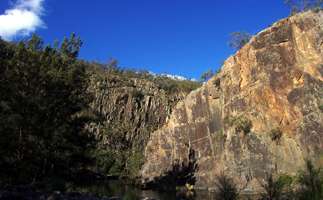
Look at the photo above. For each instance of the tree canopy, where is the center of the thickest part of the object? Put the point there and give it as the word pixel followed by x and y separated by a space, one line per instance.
pixel 239 39
pixel 43 90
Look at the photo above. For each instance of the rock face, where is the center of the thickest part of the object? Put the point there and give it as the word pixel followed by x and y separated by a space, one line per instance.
pixel 130 107
pixel 261 113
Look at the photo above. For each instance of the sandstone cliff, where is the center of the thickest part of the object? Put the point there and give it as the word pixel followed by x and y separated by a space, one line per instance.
pixel 261 113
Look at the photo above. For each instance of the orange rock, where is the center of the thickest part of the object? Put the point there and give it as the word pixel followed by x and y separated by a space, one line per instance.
pixel 275 81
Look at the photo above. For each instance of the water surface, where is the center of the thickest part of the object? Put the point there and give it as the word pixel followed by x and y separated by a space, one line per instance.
pixel 116 188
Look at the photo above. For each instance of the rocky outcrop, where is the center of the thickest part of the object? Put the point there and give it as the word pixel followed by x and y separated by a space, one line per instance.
pixel 130 106
pixel 260 113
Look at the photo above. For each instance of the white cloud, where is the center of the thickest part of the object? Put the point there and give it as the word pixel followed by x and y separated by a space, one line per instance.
pixel 22 19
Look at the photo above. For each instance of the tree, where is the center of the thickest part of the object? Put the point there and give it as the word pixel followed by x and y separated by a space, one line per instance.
pixel 35 43
pixel 239 39
pixel 207 75
pixel 71 47
pixel 43 92
pixel 303 5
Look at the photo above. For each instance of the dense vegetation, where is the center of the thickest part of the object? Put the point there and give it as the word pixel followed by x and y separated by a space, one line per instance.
pixel 169 85
pixel 307 185
pixel 45 107
pixel 43 90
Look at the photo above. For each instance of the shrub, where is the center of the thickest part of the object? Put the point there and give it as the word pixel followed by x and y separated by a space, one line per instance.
pixel 304 5
pixel 117 168
pixel 207 75
pixel 321 107
pixel 276 134
pixel 134 163
pixel 137 94
pixel 274 187
pixel 226 189
pixel 317 9
pixel 217 82
pixel 241 123
pixel 105 159
pixel 311 183
pixel 286 180
pixel 169 85
pixel 172 86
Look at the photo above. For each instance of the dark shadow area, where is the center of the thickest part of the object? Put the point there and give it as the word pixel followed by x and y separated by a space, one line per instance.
pixel 180 174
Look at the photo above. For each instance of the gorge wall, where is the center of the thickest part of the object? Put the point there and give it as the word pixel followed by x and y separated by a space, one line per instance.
pixel 133 106
pixel 129 106
pixel 261 113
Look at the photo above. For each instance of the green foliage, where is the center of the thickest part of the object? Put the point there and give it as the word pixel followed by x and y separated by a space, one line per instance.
pixel 321 107
pixel 35 43
pixel 134 163
pixel 240 123
pixel 137 94
pixel 304 5
pixel 44 107
pixel 115 154
pixel 43 90
pixel 243 124
pixel 207 75
pixel 169 85
pixel 276 134
pixel 117 168
pixel 226 189
pixel 286 180
pixel 70 47
pixel 311 183
pixel 105 159
pixel 239 39
pixel 274 187
pixel 118 162
pixel 172 86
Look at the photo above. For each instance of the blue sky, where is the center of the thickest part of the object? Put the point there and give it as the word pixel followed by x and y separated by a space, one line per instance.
pixel 183 37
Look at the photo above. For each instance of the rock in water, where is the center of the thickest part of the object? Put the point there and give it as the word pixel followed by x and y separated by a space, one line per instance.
pixel 261 113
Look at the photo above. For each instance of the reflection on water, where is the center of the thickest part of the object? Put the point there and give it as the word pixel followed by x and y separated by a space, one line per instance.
pixel 123 191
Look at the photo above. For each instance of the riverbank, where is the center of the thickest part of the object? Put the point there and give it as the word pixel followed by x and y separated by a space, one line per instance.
pixel 104 190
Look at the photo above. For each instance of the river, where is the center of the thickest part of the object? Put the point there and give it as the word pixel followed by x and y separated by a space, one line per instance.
pixel 119 190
